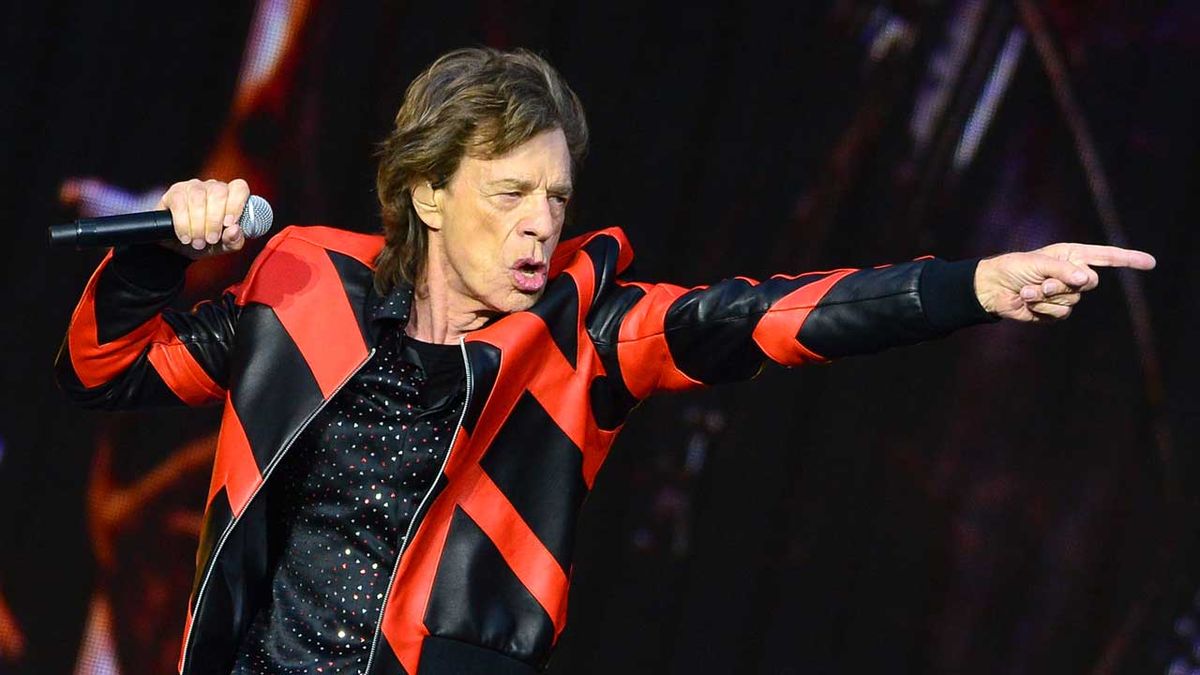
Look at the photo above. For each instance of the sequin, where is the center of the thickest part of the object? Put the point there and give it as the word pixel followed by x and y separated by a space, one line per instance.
pixel 335 537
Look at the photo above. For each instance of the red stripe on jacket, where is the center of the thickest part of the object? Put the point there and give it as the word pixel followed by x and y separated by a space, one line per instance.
pixel 96 364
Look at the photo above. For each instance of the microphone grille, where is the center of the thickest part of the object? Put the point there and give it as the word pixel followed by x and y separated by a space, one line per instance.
pixel 257 217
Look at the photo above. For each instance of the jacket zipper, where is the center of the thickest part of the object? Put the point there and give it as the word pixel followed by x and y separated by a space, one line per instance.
pixel 266 474
pixel 420 508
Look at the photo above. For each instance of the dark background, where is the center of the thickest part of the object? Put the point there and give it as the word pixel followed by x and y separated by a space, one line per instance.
pixel 1013 499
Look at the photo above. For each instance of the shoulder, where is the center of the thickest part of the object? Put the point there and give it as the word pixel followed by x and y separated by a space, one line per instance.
pixel 607 253
pixel 310 240
pixel 302 258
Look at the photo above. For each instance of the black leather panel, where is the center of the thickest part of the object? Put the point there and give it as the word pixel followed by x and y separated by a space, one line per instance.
pixel 208 332
pixel 603 251
pixel 244 562
pixel 605 315
pixel 611 398
pixel 237 585
pixel 358 281
pixel 710 331
pixel 216 518
pixel 140 386
pixel 384 661
pixel 868 311
pixel 559 308
pixel 485 365
pixel 122 306
pixel 442 656
pixel 274 390
pixel 213 641
pixel 543 478
pixel 477 599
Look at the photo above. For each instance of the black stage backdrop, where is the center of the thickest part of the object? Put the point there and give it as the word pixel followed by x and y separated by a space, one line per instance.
pixel 1013 499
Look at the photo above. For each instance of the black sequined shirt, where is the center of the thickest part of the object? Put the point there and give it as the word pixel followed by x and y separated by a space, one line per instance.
pixel 344 496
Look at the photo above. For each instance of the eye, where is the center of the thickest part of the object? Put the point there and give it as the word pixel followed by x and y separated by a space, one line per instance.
pixel 508 199
pixel 560 200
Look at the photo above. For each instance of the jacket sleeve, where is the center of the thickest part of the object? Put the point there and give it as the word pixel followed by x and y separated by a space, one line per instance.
pixel 666 337
pixel 126 349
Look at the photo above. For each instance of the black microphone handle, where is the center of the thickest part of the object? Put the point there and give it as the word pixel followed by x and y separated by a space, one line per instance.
pixel 129 228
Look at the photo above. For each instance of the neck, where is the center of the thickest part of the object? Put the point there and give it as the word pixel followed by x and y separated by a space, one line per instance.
pixel 439 314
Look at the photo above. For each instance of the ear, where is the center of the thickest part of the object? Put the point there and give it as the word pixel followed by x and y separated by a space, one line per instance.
pixel 426 203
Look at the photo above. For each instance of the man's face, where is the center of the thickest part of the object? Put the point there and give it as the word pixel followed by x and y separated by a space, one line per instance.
pixel 500 220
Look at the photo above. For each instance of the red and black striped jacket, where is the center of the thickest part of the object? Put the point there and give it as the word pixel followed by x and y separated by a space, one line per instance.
pixel 483 577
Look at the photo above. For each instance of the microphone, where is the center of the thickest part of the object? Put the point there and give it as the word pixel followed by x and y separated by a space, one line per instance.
pixel 148 227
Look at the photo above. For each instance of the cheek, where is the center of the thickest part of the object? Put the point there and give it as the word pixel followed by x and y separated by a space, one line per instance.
pixel 489 275
pixel 476 249
pixel 479 267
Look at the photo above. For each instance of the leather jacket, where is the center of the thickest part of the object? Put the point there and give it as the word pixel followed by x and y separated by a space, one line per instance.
pixel 482 575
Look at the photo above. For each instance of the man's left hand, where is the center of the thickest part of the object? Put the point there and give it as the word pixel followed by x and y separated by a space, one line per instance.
pixel 1044 285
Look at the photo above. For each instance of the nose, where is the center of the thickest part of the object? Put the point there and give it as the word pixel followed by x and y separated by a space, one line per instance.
pixel 541 220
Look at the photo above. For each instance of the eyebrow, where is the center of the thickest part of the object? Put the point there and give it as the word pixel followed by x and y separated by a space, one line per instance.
pixel 521 185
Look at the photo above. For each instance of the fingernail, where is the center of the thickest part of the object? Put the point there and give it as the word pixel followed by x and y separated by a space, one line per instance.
pixel 212 237
pixel 1078 277
pixel 198 244
pixel 1028 293
pixel 185 240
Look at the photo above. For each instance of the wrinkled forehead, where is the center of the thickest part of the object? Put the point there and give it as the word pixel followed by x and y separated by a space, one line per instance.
pixel 543 161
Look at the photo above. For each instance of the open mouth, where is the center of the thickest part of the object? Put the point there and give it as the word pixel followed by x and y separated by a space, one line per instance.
pixel 529 275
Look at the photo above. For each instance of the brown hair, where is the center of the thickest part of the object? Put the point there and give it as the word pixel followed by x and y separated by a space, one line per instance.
pixel 480 102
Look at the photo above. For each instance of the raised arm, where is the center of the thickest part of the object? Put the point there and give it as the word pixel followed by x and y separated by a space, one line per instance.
pixel 125 348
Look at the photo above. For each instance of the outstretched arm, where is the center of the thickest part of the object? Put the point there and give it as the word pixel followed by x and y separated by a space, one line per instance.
pixel 669 337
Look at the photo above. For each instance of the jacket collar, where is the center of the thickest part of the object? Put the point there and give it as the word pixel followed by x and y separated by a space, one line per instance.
pixel 391 311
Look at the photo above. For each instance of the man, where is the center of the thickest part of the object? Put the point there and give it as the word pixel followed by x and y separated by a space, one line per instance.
pixel 412 422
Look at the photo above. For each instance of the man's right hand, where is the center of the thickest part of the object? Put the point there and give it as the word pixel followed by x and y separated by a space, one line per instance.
pixel 206 213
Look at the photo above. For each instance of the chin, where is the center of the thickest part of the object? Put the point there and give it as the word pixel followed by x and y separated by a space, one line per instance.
pixel 519 302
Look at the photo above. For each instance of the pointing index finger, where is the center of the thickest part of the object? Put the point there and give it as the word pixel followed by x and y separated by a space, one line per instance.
pixel 1113 256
